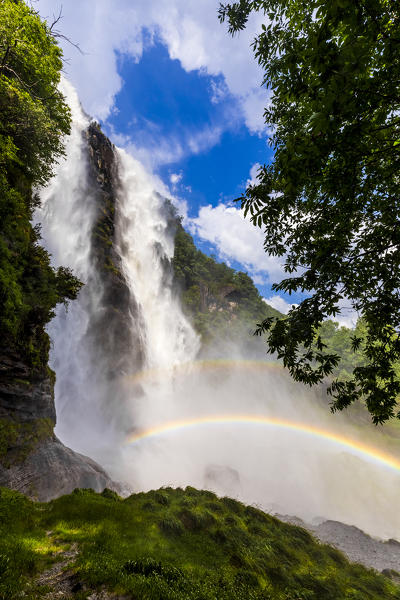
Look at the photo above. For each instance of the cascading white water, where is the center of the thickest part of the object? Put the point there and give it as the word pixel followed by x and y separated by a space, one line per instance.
pixel 145 244
pixel 67 214
pixel 299 474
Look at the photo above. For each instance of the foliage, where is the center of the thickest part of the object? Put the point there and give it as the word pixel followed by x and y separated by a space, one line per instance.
pixel 18 439
pixel 33 118
pixel 329 200
pixel 339 340
pixel 234 552
pixel 222 302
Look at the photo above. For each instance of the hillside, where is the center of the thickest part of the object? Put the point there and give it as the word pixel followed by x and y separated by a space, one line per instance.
pixel 168 545
pixel 223 304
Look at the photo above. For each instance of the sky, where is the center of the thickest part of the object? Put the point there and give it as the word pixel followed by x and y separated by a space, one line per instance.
pixel 169 84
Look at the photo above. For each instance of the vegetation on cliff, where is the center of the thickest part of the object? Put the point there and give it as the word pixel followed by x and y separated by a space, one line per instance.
pixel 33 119
pixel 222 303
pixel 172 545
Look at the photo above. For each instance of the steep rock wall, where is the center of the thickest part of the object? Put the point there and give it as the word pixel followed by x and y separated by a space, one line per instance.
pixel 112 328
pixel 32 459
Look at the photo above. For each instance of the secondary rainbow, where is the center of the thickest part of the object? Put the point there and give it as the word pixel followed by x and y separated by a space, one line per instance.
pixel 179 425
pixel 190 368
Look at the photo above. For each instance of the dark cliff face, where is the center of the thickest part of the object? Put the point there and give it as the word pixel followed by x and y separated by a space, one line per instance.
pixel 32 459
pixel 113 332
pixel 27 412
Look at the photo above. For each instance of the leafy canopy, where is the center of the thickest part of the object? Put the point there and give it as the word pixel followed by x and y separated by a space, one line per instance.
pixel 33 119
pixel 329 202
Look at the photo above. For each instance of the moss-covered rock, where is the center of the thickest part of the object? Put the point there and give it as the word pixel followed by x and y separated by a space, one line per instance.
pixel 17 439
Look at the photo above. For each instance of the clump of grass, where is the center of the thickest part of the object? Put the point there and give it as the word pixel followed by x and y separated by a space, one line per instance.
pixel 148 567
pixel 162 498
pixel 150 506
pixel 196 520
pixel 110 494
pixel 171 526
pixel 214 507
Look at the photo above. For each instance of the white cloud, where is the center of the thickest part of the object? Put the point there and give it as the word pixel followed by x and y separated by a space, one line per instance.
pixel 254 103
pixel 347 318
pixel 161 150
pixel 259 278
pixel 253 174
pixel 235 238
pixel 175 178
pixel 219 91
pixel 190 30
pixel 279 303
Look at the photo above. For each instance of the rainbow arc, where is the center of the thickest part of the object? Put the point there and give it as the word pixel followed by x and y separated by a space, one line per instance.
pixel 170 427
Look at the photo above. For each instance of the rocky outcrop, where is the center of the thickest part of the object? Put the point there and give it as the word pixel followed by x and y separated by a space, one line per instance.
pixel 27 412
pixel 51 470
pixel 27 395
pixel 32 459
pixel 358 546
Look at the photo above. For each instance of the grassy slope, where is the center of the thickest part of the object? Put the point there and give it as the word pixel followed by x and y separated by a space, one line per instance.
pixel 174 544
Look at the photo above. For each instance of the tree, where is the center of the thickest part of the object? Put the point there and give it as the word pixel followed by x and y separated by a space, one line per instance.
pixel 33 119
pixel 329 201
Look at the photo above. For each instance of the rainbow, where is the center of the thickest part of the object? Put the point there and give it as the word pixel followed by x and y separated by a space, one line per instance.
pixel 191 367
pixel 369 452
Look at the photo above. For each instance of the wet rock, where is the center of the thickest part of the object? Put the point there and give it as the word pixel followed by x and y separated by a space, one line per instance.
pixel 113 330
pixel 23 395
pixel 52 470
pixel 222 479
pixel 32 459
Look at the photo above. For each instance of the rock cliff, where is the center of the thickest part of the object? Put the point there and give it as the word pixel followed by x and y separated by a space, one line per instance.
pixel 112 329
pixel 358 546
pixel 32 459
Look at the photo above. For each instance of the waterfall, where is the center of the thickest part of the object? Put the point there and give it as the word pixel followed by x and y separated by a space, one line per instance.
pixel 127 317
pixel 123 354
pixel 67 223
pixel 146 246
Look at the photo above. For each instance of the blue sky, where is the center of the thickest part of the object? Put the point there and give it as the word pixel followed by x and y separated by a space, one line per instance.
pixel 169 84
pixel 162 100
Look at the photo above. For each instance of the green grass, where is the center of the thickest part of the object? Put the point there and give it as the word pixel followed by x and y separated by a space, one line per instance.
pixel 175 544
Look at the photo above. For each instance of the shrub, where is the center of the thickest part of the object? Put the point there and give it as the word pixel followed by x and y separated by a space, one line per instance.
pixel 171 526
pixel 148 567
pixel 110 495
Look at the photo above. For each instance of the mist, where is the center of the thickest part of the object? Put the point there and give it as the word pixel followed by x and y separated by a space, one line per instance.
pixel 115 381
